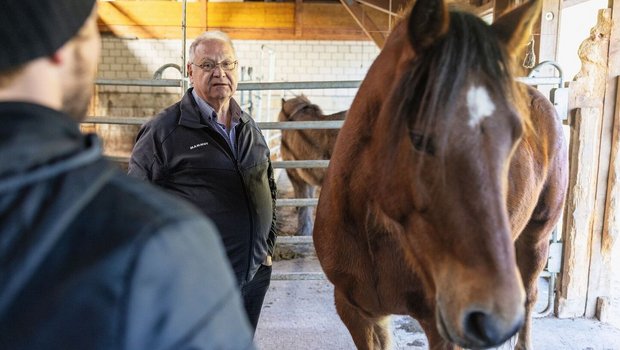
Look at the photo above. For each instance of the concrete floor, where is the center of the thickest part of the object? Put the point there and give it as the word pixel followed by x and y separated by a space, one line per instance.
pixel 300 314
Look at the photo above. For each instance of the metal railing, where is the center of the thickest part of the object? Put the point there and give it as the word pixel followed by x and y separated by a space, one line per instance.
pixel 550 274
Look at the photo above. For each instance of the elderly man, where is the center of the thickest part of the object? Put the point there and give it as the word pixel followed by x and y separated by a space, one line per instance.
pixel 89 258
pixel 206 150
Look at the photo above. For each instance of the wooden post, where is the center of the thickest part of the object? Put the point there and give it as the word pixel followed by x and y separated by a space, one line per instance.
pixel 593 215
pixel 298 17
pixel 366 24
pixel 546 37
pixel 585 157
pixel 600 271
pixel 500 6
pixel 607 307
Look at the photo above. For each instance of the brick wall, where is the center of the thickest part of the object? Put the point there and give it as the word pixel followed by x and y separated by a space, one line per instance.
pixel 266 60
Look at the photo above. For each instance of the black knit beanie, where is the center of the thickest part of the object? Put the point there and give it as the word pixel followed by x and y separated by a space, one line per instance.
pixel 31 29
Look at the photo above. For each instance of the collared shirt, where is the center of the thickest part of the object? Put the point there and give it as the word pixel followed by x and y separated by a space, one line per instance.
pixel 209 113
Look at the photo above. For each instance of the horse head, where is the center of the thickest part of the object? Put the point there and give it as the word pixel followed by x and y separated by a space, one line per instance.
pixel 454 116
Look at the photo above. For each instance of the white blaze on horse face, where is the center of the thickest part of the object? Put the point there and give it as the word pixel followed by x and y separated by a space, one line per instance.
pixel 479 104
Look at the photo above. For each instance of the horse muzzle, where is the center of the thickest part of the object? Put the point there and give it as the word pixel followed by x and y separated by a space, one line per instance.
pixel 479 329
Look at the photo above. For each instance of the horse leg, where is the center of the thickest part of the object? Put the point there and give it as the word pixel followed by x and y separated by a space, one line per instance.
pixel 532 248
pixel 531 259
pixel 367 333
pixel 304 214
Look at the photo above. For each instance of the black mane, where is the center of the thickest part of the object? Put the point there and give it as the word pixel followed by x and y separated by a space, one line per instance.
pixel 469 50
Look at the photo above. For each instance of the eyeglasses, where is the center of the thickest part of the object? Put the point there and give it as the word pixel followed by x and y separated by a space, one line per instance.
pixel 209 66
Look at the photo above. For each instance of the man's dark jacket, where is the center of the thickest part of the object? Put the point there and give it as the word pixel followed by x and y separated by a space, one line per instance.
pixel 184 153
pixel 92 259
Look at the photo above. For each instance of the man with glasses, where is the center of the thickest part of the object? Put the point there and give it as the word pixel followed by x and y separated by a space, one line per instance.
pixel 205 149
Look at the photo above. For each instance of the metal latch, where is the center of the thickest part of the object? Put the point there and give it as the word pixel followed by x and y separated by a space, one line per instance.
pixel 559 98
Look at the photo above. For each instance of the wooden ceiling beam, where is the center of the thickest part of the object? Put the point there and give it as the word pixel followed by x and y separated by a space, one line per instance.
pixel 248 20
pixel 365 23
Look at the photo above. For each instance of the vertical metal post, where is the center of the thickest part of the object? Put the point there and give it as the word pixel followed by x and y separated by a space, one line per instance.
pixel 390 18
pixel 184 44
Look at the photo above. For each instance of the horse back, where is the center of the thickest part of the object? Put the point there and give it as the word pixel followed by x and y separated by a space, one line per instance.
pixel 309 144
pixel 538 172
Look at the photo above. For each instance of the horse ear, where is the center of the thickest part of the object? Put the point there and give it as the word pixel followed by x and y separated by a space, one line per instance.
pixel 283 101
pixel 514 28
pixel 428 21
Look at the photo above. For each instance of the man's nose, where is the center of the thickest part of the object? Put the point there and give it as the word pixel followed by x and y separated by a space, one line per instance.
pixel 218 71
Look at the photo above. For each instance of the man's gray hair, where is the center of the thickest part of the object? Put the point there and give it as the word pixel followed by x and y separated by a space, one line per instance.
pixel 208 36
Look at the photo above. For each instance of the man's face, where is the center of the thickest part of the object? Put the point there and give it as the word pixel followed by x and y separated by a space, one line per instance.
pixel 217 86
pixel 81 68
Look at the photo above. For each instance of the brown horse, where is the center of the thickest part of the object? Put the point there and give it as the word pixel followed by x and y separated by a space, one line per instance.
pixel 306 144
pixel 444 185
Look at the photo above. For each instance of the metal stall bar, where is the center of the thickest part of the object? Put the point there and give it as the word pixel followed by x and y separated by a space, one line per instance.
pixel 285 85
pixel 295 125
pixel 241 86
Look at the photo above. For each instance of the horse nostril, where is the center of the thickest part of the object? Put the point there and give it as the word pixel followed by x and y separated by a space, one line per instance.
pixel 484 328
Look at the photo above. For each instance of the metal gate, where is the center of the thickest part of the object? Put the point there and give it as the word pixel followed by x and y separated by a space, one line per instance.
pixel 558 96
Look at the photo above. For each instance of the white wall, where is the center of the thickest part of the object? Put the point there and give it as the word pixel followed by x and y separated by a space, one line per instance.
pixel 575 25
pixel 270 61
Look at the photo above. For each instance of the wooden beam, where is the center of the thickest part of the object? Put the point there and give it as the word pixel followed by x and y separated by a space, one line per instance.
pixel 546 35
pixel 607 306
pixel 366 24
pixel 247 20
pixel 501 6
pixel 298 17
pixel 611 228
pixel 579 263
pixel 600 272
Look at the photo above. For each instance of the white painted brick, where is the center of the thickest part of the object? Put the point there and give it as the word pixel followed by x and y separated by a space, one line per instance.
pixel 293 47
pixel 133 75
pixel 344 49
pixel 106 60
pixel 336 57
pixel 331 48
pixel 356 48
pixel 313 55
pixel 325 71
pixel 349 56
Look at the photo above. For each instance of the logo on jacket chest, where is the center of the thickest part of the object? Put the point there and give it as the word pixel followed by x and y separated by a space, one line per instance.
pixel 198 145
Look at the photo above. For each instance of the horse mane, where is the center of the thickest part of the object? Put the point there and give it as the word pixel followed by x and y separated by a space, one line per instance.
pixel 469 49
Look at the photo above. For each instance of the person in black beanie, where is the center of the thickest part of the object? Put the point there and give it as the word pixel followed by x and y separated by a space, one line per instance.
pixel 90 258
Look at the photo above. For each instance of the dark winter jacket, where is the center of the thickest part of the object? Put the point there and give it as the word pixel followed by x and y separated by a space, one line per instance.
pixel 92 259
pixel 183 152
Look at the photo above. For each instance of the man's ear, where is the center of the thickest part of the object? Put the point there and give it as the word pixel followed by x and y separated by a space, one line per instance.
pixel 189 72
pixel 60 56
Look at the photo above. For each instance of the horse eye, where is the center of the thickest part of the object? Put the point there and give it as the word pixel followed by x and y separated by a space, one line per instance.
pixel 422 143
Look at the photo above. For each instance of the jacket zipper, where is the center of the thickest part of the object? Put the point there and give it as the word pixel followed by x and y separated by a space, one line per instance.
pixel 247 201
pixel 231 155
